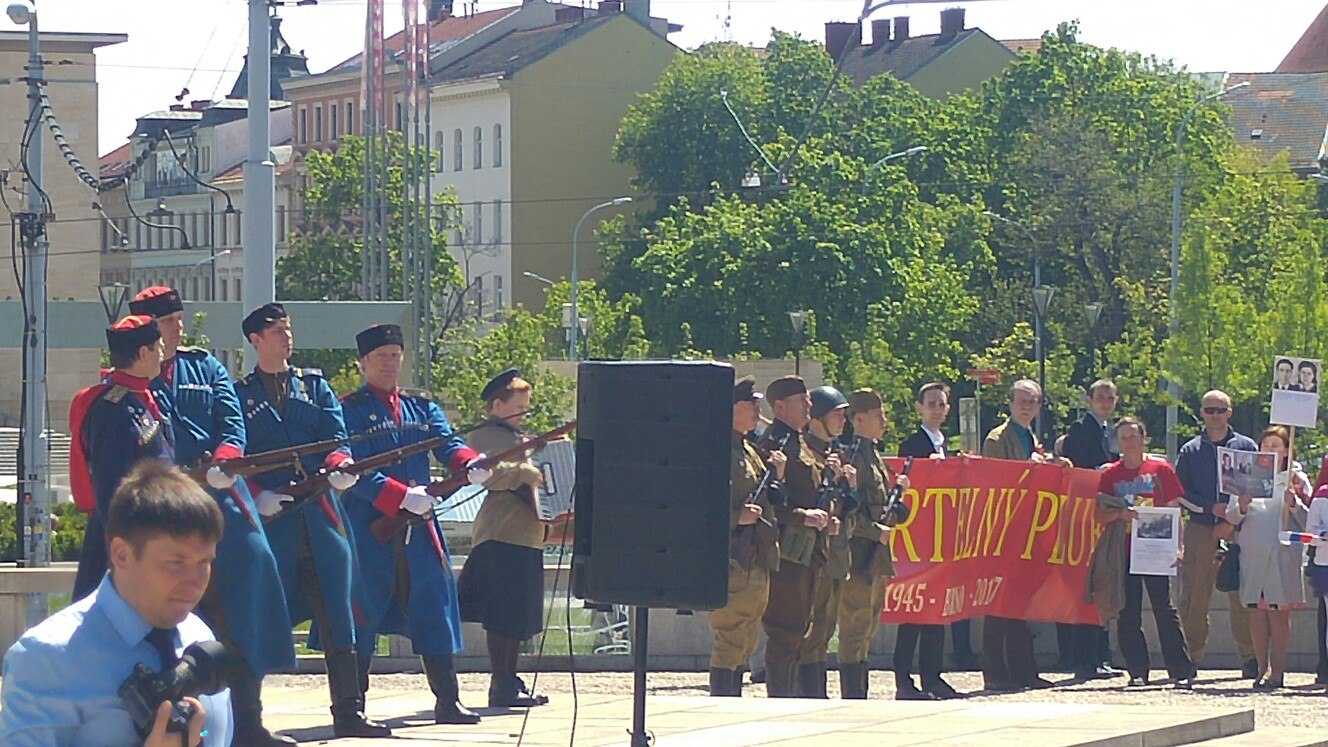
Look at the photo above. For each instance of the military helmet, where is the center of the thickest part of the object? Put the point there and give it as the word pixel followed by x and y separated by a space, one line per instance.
pixel 825 399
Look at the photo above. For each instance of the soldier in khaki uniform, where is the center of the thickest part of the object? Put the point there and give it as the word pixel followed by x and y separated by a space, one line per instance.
pixel 754 544
pixel 827 424
pixel 802 541
pixel 863 595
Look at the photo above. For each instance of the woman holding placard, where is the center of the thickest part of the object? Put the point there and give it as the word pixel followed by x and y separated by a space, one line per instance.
pixel 1270 572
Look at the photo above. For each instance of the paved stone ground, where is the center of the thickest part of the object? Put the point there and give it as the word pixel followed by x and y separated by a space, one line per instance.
pixel 1300 704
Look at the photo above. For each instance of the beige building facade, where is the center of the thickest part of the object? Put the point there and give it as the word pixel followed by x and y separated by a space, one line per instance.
pixel 75 232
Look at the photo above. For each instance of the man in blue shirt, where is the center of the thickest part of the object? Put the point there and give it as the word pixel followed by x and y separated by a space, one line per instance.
pixel 60 680
pixel 1205 508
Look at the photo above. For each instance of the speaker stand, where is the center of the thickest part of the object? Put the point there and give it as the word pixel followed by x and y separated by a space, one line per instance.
pixel 640 634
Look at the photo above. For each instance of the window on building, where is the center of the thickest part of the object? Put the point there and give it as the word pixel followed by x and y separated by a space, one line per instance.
pixel 456 149
pixel 304 125
pixel 438 146
pixel 350 117
pixel 332 121
pixel 196 287
pixel 239 295
pixel 318 124
pixel 497 145
pixel 497 221
pixel 479 222
pixel 497 291
pixel 225 289
pixel 399 116
pixel 479 148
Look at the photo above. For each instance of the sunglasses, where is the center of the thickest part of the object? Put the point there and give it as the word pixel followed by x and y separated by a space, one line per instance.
pixel 1216 410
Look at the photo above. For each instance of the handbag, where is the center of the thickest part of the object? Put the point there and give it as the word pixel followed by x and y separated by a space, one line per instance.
pixel 1228 570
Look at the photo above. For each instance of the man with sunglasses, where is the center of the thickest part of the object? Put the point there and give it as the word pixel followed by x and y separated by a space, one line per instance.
pixel 1196 465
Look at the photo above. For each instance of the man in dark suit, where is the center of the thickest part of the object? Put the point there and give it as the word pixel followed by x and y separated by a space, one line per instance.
pixel 933 403
pixel 1091 444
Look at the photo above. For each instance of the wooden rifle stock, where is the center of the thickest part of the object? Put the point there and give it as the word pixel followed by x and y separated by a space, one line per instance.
pixel 267 461
pixel 385 528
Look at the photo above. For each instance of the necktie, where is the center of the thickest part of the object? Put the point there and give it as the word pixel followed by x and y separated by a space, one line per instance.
pixel 163 641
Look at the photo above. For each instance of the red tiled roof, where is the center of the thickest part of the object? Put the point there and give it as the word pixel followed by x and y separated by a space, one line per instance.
pixel 116 162
pixel 1023 45
pixel 451 28
pixel 1282 112
pixel 1310 53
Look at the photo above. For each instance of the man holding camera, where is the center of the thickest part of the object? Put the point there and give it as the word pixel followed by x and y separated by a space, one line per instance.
pixel 61 681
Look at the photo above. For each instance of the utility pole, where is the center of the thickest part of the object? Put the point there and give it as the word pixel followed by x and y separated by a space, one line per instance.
pixel 34 501
pixel 259 235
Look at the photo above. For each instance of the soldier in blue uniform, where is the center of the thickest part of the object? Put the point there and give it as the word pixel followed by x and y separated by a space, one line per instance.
pixel 409 582
pixel 285 406
pixel 244 604
pixel 115 425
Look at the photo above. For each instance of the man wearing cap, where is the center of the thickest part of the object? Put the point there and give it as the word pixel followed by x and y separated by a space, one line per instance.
pixel 863 594
pixel 802 544
pixel 753 542
pixel 115 425
pixel 839 483
pixel 244 605
pixel 285 406
pixel 409 584
pixel 502 585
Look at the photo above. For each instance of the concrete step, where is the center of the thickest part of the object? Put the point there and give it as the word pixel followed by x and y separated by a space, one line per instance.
pixel 1281 736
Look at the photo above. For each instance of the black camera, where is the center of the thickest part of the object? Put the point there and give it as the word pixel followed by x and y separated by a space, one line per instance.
pixel 202 670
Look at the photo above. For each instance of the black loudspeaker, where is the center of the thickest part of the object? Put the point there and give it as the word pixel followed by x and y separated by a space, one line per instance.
pixel 653 451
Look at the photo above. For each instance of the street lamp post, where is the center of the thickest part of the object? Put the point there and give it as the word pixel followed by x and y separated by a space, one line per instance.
pixel 1092 311
pixel 1042 295
pixel 576 232
pixel 901 154
pixel 1173 387
pixel 113 296
pixel 799 321
pixel 539 278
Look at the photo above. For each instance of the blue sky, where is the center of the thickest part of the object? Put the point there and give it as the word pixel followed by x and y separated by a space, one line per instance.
pixel 201 42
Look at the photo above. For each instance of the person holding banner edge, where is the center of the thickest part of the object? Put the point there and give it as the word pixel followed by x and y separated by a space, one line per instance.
pixel 1008 663
pixel 928 442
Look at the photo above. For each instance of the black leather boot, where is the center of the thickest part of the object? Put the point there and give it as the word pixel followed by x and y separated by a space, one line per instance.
pixel 906 690
pixel 853 681
pixel 343 679
pixel 811 681
pixel 721 683
pixel 247 707
pixel 447 707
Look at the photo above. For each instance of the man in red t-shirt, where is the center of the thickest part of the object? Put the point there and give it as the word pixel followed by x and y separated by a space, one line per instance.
pixel 1145 481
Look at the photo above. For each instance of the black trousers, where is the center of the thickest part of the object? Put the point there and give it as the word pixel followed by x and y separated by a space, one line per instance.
pixel 1007 651
pixel 1322 669
pixel 929 641
pixel 1129 627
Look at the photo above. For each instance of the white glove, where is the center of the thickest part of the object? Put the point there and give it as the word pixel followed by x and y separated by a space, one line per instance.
pixel 218 479
pixel 417 501
pixel 342 481
pixel 270 502
pixel 478 475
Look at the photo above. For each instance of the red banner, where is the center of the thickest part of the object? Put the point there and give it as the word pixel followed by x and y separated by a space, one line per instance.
pixel 993 537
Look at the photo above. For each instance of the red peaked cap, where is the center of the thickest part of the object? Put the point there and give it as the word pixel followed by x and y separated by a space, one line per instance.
pixel 131 333
pixel 157 301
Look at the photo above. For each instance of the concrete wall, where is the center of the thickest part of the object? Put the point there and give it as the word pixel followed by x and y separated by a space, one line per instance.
pixel 565 115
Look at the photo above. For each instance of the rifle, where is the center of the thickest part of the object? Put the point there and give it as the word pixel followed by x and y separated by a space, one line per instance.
pixel 386 528
pixel 742 549
pixel 267 461
pixel 305 491
pixel 894 511
pixel 851 501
